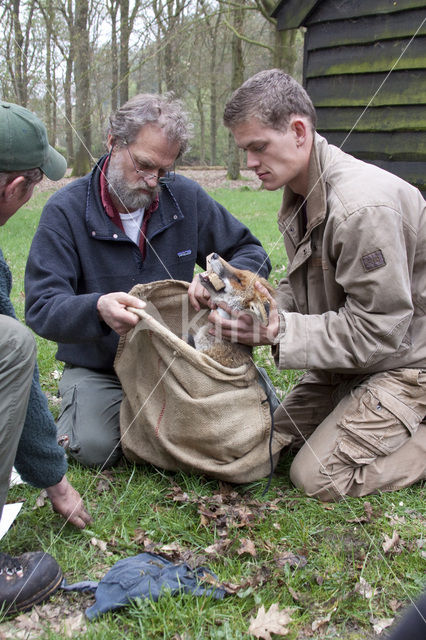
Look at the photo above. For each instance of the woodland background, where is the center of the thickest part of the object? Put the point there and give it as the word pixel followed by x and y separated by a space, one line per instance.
pixel 73 62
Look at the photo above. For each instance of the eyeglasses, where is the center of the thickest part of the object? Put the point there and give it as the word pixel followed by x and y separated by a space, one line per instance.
pixel 163 176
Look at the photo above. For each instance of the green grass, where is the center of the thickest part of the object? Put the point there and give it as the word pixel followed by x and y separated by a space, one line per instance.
pixel 134 510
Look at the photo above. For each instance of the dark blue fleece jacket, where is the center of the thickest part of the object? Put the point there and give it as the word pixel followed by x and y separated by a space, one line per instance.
pixel 79 254
pixel 39 459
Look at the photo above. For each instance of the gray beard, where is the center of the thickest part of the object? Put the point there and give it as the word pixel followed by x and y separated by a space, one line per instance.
pixel 129 197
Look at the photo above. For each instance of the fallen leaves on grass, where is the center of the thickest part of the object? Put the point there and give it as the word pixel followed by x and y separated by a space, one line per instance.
pixel 272 621
pixel 101 544
pixel 391 544
pixel 228 508
pixel 218 548
pixel 105 481
pixel 60 618
pixel 364 589
pixel 319 623
pixel 380 624
pixel 292 559
pixel 41 499
pixel 368 514
pixel 247 546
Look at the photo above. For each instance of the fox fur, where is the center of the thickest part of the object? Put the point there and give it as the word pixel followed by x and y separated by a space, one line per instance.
pixel 235 287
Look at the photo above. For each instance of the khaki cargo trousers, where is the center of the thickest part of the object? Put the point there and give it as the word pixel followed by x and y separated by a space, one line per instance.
pixel 356 435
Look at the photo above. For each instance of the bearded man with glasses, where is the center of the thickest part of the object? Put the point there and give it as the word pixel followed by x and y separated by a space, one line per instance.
pixel 130 221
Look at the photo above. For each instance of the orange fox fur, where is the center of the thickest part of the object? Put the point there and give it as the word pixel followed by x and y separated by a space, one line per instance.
pixel 235 287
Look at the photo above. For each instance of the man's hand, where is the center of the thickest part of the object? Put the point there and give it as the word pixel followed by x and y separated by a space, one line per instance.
pixel 243 328
pixel 112 310
pixel 198 295
pixel 67 502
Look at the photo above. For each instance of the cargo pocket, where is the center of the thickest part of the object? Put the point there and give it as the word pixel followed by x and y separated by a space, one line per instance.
pixel 67 419
pixel 376 424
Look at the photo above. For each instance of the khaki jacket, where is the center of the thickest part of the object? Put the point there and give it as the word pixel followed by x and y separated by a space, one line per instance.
pixel 354 300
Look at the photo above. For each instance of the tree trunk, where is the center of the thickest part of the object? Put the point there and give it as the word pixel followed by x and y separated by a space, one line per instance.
pixel 124 51
pixel 82 89
pixel 48 102
pixel 113 10
pixel 285 52
pixel 200 108
pixel 68 108
pixel 236 81
pixel 19 66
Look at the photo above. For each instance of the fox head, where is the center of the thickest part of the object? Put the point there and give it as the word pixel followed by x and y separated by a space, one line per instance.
pixel 235 287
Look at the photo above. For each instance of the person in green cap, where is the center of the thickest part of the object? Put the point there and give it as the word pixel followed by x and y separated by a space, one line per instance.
pixel 27 428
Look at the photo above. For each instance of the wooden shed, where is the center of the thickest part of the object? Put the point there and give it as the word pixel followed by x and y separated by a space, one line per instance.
pixel 365 70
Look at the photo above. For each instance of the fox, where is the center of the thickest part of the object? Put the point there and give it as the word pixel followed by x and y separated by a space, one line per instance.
pixel 236 288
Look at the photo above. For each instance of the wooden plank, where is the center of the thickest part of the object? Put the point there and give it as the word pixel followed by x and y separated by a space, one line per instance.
pixel 368 58
pixel 290 14
pixel 374 57
pixel 364 29
pixel 397 88
pixel 398 146
pixel 344 9
pixel 409 118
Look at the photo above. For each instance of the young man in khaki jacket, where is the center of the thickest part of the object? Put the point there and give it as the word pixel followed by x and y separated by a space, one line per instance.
pixel 352 308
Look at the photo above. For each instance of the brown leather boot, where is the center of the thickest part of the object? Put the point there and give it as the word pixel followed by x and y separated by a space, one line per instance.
pixel 27 580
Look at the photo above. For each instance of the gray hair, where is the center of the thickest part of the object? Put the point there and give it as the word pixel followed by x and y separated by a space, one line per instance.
pixel 32 176
pixel 149 108
pixel 272 97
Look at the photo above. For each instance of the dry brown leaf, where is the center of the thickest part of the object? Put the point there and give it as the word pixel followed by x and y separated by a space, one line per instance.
pixel 290 558
pixel 101 544
pixel 327 506
pixel 294 594
pixel 41 499
pixel 395 604
pixel 368 510
pixel 364 589
pixel 74 624
pixel 272 621
pixel 204 521
pixel 395 519
pixel 172 548
pixel 105 481
pixel 380 624
pixel 247 546
pixel 390 543
pixel 320 622
pixel 218 547
pixel 139 536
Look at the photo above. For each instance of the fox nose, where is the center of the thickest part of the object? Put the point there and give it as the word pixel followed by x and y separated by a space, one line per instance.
pixel 214 256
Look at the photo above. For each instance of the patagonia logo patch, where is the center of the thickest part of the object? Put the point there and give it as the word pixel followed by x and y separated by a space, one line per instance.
pixel 373 260
pixel 182 254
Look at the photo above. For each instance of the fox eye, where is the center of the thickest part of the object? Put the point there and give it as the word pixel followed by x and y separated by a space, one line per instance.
pixel 236 278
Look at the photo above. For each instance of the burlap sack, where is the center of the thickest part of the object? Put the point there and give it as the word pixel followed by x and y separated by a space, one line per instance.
pixel 181 409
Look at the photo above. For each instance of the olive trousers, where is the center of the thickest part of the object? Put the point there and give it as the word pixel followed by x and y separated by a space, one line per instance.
pixel 356 435
pixel 17 361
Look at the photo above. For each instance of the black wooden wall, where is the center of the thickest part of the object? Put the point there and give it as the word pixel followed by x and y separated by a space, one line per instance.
pixel 365 70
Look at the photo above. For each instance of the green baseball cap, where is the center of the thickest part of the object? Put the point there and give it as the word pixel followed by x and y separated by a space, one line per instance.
pixel 24 143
